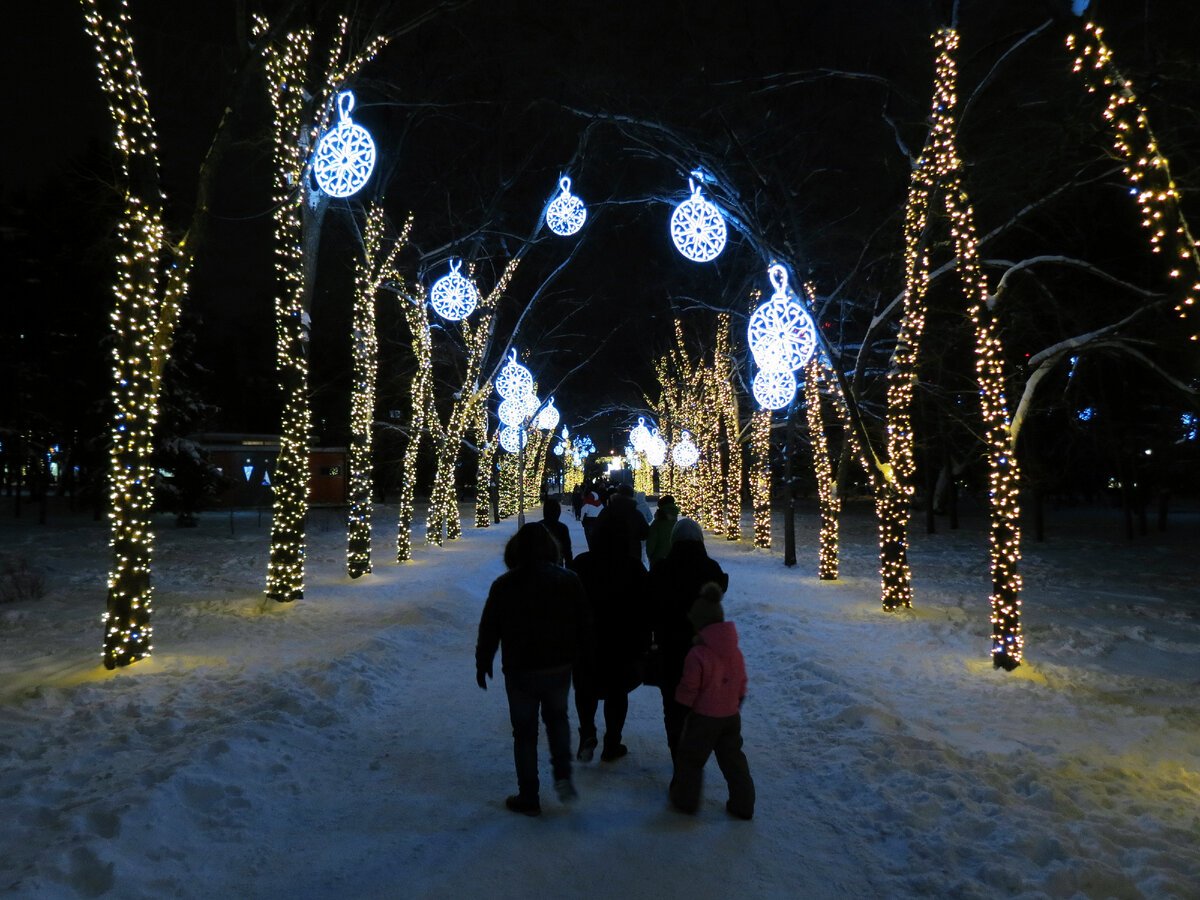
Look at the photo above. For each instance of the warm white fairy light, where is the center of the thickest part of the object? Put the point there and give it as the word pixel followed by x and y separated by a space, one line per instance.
pixel 760 476
pixel 566 213
pixel 1145 167
pixel 697 227
pixel 345 155
pixel 143 322
pixel 454 296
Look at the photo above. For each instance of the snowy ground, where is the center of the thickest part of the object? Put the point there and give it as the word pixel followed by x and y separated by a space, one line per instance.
pixel 338 746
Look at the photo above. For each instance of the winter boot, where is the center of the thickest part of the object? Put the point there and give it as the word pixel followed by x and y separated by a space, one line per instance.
pixel 587 745
pixel 566 790
pixel 612 752
pixel 526 806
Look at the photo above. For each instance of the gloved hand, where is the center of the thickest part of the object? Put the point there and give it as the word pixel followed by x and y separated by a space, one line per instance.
pixel 481 676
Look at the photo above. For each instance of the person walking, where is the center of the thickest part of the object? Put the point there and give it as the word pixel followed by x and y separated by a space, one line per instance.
pixel 552 522
pixel 712 688
pixel 674 584
pixel 536 613
pixel 623 513
pixel 615 585
pixel 593 505
pixel 658 536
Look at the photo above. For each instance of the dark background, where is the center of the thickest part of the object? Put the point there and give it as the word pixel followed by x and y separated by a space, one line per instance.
pixel 479 111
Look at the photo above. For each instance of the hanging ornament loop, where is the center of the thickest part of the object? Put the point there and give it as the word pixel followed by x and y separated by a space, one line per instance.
pixel 779 280
pixel 345 103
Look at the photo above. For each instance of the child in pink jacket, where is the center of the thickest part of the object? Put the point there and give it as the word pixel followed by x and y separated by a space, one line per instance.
pixel 713 686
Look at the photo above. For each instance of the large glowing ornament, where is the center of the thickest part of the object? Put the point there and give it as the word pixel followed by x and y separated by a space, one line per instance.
pixel 454 296
pixel 781 333
pixel 639 435
pixel 655 449
pixel 514 410
pixel 547 419
pixel 514 379
pixel 513 439
pixel 686 454
pixel 774 389
pixel 345 154
pixel 566 213
pixel 698 228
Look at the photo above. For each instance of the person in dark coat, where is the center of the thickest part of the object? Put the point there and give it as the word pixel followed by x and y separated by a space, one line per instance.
pixel 615 585
pixel 622 513
pixel 551 520
pixel 674 585
pixel 577 501
pixel 537 614
pixel 658 538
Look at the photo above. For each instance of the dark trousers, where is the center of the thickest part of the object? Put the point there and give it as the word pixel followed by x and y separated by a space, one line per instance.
pixel 616 708
pixel 527 693
pixel 702 736
pixel 674 713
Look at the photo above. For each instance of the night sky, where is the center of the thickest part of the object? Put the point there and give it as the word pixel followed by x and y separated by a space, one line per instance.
pixel 480 110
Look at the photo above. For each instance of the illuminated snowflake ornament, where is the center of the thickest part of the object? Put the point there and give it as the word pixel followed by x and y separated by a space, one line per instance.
pixel 566 213
pixel 345 155
pixel 655 449
pixel 513 439
pixel 639 435
pixel 686 454
pixel 514 379
pixel 774 389
pixel 698 228
pixel 454 296
pixel 781 333
pixel 547 419
pixel 514 410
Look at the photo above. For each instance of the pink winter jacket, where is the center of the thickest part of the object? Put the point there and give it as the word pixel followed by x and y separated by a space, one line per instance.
pixel 714 673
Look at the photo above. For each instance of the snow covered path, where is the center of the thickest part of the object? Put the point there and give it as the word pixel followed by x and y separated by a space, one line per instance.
pixel 339 746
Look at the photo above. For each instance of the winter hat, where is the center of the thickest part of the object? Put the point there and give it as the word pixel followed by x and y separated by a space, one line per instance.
pixel 707 609
pixel 667 506
pixel 687 530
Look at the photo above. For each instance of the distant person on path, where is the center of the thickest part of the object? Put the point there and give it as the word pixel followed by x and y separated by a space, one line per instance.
pixel 674 586
pixel 551 520
pixel 658 537
pixel 593 505
pixel 536 613
pixel 615 585
pixel 577 501
pixel 713 687
pixel 623 513
pixel 643 507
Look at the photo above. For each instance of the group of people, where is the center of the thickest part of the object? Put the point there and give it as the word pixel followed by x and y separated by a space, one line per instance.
pixel 591 619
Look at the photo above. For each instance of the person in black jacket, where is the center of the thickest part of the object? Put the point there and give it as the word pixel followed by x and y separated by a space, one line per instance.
pixel 552 521
pixel 537 615
pixel 674 585
pixel 615 586
pixel 622 509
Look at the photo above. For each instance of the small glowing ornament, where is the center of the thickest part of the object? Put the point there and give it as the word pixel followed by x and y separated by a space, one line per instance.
pixel 638 435
pixel 513 439
pixel 566 213
pixel 774 389
pixel 698 228
pixel 558 449
pixel 514 379
pixel 656 449
pixel 685 454
pixel 345 154
pixel 453 296
pixel 781 333
pixel 547 419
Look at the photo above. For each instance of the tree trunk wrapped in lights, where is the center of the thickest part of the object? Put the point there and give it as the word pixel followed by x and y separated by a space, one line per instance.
pixel 483 473
pixel 145 313
pixel 299 117
pixel 731 433
pixel 416 315
pixel 508 485
pixel 760 476
pixel 1145 167
pixel 471 397
pixel 830 502
pixel 373 269
pixel 1003 473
